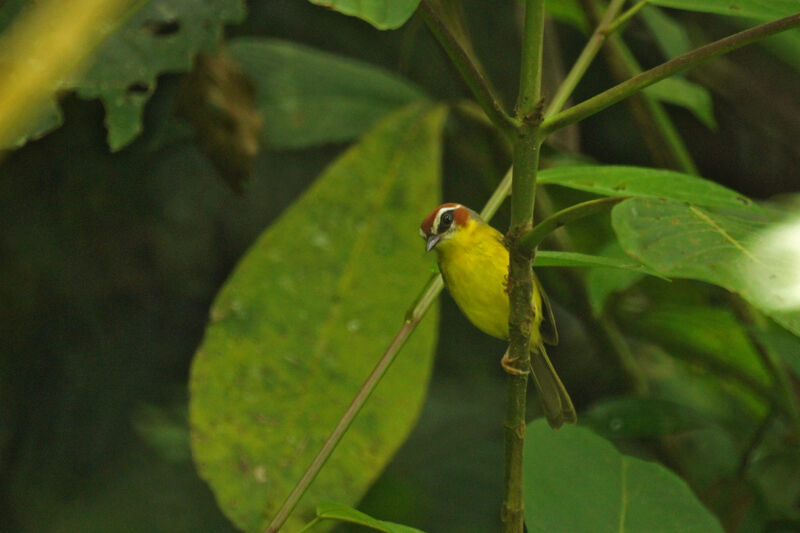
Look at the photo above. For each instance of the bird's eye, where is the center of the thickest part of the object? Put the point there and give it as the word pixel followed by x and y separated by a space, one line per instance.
pixel 447 218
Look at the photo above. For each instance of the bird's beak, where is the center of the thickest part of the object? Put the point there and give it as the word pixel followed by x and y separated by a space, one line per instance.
pixel 432 241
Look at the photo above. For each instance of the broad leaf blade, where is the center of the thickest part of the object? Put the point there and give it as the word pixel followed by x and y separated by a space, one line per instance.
pixel 771 9
pixel 301 323
pixel 163 36
pixel 575 259
pixel 614 180
pixel 383 14
pixel 577 481
pixel 343 513
pixel 752 251
pixel 309 97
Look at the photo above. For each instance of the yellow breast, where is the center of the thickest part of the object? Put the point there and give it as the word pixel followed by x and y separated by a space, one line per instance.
pixel 474 264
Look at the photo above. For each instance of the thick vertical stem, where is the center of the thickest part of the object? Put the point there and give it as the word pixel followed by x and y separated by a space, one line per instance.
pixel 520 276
pixel 530 75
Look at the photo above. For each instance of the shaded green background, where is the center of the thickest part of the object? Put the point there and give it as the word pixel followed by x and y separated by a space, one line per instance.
pixel 109 263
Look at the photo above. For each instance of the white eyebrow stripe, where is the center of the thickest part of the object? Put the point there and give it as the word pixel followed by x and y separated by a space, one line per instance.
pixel 435 227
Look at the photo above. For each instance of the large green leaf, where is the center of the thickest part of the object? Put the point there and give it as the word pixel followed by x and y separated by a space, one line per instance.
pixel 614 180
pixel 343 513
pixel 309 97
pixel 383 14
pixel 741 8
pixel 575 259
pixel 302 321
pixel 752 251
pixel 163 36
pixel 577 481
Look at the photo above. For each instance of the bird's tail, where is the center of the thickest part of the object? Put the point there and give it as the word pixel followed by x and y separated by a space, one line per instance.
pixel 556 403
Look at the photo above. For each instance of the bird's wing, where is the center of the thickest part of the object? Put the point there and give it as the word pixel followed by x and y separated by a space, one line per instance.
pixel 548 325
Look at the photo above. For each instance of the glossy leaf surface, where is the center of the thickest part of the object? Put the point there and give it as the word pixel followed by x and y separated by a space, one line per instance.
pixel 752 251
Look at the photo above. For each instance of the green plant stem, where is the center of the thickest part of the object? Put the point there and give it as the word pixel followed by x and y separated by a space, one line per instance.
pixel 755 442
pixel 613 26
pixel 526 144
pixel 530 76
pixel 686 351
pixel 412 318
pixel 637 83
pixel 584 59
pixel 611 341
pixel 658 132
pixel 472 75
pixel 531 240
pixel 753 322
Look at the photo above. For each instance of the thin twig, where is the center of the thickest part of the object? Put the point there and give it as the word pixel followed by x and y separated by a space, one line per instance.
pixel 623 90
pixel 413 317
pixel 752 322
pixel 584 59
pixel 625 17
pixel 544 228
pixel 478 84
pixel 658 132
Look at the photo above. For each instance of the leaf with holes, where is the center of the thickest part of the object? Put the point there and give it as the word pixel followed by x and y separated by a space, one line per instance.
pixel 163 36
pixel 383 14
pixel 749 250
pixel 577 481
pixel 302 321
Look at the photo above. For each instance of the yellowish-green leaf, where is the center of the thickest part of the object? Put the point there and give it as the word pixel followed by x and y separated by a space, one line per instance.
pixel 302 321
pixel 749 250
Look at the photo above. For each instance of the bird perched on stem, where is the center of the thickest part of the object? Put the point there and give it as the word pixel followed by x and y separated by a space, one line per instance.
pixel 473 260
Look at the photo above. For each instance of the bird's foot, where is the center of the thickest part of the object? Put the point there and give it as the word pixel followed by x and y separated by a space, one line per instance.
pixel 513 365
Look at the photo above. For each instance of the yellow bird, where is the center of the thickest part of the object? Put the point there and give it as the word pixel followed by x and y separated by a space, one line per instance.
pixel 473 261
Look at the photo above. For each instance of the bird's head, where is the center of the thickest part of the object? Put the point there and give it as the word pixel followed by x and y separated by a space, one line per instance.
pixel 443 223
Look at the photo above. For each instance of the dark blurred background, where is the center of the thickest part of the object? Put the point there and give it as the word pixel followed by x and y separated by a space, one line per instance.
pixel 109 263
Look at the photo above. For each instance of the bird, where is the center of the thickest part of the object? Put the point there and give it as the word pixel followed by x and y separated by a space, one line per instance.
pixel 473 260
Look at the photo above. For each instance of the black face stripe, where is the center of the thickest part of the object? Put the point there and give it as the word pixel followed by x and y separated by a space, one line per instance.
pixel 445 221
